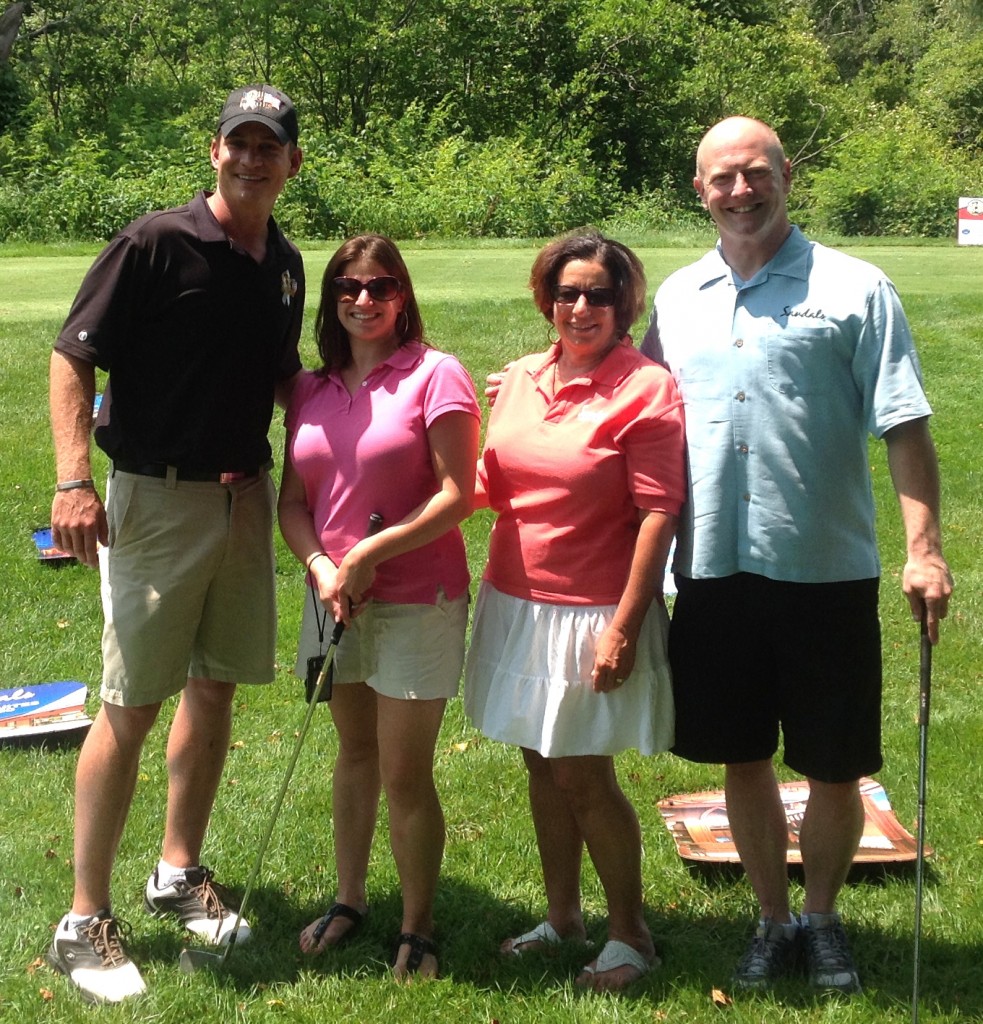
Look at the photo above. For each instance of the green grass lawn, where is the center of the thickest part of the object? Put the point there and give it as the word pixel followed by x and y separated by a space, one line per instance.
pixel 476 303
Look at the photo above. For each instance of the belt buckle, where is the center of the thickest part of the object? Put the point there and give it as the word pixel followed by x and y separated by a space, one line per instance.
pixel 230 478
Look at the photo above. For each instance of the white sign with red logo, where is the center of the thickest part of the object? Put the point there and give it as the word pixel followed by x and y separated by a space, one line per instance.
pixel 969 229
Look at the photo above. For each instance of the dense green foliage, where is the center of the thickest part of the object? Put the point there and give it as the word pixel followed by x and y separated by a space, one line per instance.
pixel 492 117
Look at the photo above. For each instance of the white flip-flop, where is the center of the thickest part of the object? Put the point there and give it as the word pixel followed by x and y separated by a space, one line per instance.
pixel 543 933
pixel 619 954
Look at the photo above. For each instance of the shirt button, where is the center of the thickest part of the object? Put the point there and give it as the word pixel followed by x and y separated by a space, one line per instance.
pixel 747 497
pixel 739 343
pixel 743 449
pixel 365 383
pixel 740 396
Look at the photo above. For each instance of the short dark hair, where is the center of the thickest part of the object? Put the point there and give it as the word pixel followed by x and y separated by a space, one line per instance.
pixel 624 267
pixel 332 339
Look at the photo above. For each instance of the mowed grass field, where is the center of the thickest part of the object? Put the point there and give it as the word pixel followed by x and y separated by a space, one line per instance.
pixel 476 303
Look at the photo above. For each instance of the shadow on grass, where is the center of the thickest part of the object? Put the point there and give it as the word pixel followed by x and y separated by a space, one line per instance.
pixel 950 980
pixel 698 952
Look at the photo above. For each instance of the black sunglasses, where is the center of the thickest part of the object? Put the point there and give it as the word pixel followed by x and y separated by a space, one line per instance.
pixel 567 295
pixel 382 289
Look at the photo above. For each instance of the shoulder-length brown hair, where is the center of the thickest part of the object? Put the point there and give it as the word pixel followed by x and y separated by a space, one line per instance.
pixel 332 339
pixel 624 267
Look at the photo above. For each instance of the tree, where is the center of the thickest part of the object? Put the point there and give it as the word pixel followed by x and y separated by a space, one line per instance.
pixel 10 22
pixel 947 87
pixel 623 99
pixel 779 73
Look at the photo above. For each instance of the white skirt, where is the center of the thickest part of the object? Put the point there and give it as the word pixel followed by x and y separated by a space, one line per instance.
pixel 528 679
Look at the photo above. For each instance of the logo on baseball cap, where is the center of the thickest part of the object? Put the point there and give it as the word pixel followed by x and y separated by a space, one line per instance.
pixel 264 105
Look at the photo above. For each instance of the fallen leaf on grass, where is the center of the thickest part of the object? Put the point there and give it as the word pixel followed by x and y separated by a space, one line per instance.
pixel 63 623
pixel 46 994
pixel 33 966
pixel 238 745
pixel 720 998
pixel 460 747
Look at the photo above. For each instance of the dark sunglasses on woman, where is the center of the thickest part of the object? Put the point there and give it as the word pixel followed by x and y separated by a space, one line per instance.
pixel 382 289
pixel 567 295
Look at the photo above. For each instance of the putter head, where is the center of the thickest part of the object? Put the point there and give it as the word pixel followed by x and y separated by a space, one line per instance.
pixel 192 960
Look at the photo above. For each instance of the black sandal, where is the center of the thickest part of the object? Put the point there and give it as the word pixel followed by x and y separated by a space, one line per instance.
pixel 338 910
pixel 419 948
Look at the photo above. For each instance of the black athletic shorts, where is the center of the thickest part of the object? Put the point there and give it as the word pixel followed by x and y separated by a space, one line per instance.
pixel 751 656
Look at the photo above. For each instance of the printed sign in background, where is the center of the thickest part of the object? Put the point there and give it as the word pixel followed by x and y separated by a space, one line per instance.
pixel 969 229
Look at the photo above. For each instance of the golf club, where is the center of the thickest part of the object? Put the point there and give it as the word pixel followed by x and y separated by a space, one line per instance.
pixel 192 960
pixel 924 700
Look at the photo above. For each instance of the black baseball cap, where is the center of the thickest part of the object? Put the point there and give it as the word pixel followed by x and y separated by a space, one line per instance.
pixel 263 104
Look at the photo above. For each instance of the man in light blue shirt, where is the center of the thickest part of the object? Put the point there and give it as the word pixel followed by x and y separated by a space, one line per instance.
pixel 787 355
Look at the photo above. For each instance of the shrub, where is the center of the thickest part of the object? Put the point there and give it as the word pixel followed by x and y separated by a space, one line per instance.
pixel 449 187
pixel 894 177
pixel 75 196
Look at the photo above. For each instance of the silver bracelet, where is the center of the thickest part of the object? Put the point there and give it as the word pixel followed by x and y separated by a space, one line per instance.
pixel 74 485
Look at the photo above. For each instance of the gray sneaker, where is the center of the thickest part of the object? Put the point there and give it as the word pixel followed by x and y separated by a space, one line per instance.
pixel 202 905
pixel 91 955
pixel 772 953
pixel 827 953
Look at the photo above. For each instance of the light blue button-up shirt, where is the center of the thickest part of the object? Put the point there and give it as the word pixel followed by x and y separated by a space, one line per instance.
pixel 782 379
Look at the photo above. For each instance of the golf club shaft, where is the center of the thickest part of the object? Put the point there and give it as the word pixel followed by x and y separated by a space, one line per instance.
pixel 924 704
pixel 375 524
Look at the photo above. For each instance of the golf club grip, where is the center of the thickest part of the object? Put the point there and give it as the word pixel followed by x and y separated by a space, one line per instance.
pixel 375 525
pixel 925 671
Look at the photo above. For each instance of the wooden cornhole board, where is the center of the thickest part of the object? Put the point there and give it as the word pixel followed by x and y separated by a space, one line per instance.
pixel 699 826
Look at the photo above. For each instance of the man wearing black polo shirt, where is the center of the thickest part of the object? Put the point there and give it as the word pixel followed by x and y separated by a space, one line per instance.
pixel 195 312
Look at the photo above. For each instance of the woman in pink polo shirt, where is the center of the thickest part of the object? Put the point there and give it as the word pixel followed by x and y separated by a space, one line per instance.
pixel 583 462
pixel 388 425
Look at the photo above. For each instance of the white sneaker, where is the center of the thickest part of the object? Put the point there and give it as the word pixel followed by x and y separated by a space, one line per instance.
pixel 91 955
pixel 201 905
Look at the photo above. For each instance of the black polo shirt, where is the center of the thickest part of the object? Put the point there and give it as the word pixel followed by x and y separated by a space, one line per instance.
pixel 194 334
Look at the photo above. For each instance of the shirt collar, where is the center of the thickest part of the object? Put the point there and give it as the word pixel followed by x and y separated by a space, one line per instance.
pixel 791 260
pixel 609 371
pixel 209 229
pixel 406 357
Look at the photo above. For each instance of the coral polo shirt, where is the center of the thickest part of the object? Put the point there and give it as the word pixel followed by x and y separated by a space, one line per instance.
pixel 568 473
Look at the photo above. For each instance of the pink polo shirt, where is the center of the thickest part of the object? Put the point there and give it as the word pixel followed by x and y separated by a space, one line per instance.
pixel 369 453
pixel 566 475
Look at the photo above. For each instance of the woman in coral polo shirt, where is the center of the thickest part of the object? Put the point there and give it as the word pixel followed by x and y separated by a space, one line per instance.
pixel 389 426
pixel 583 463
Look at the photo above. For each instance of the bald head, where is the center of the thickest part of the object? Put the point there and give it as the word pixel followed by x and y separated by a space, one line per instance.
pixel 743 179
pixel 739 132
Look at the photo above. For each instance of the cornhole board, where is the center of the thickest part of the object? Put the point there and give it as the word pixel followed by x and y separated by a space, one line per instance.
pixel 43 710
pixel 699 826
pixel 48 554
